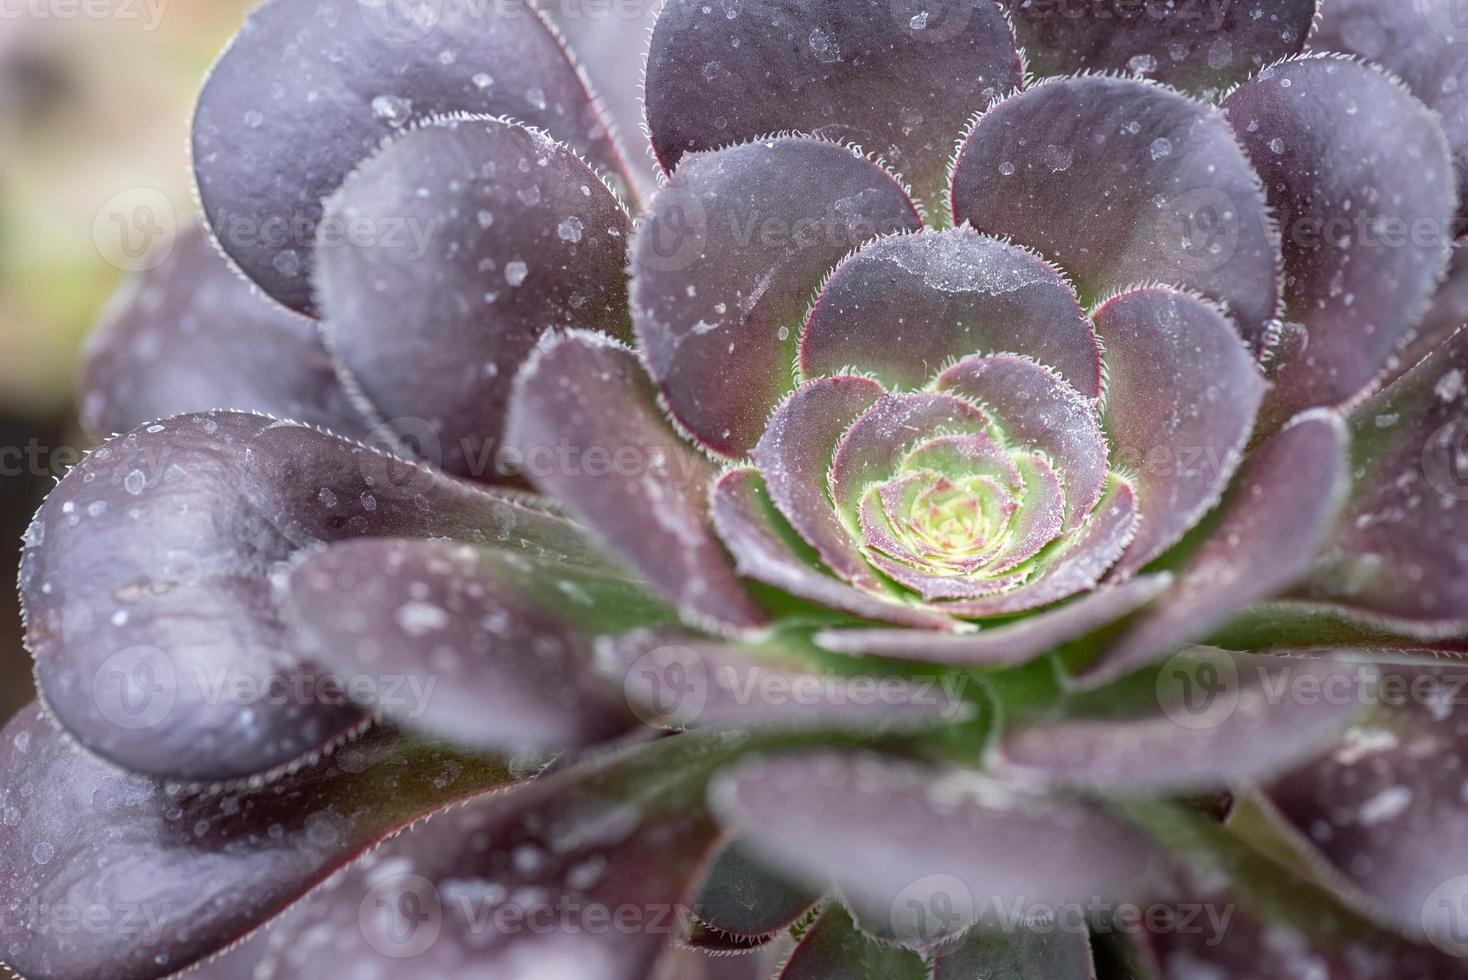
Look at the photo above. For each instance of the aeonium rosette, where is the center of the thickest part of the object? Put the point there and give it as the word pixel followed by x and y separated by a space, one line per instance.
pixel 985 521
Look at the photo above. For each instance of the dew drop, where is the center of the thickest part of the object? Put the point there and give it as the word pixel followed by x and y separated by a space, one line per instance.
pixel 1142 64
pixel 570 230
pixel 391 109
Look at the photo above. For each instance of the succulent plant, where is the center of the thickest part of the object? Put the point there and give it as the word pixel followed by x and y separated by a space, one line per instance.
pixel 1052 566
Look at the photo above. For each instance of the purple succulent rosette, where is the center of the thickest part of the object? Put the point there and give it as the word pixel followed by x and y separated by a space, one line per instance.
pixel 995 505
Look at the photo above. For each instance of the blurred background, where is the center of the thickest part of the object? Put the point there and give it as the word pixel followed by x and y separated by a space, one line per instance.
pixel 95 99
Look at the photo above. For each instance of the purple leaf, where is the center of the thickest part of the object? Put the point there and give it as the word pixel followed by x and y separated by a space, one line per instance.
pixel 1423 44
pixel 1218 720
pixel 904 306
pixel 1287 625
pixel 899 78
pixel 1203 47
pixel 1384 806
pixel 1184 393
pixel 1038 410
pixel 742 898
pixel 585 418
pixel 833 948
pixel 512 235
pixel 1119 182
pixel 148 581
pixel 922 851
pixel 724 265
pixel 610 42
pixel 763 551
pixel 1397 552
pixel 1362 183
pixel 1270 528
pixel 1044 951
pixel 678 681
pixel 1448 312
pixel 268 153
pixel 1008 645
pixel 167 878
pixel 462 643
pixel 579 874
pixel 794 457
pixel 191 335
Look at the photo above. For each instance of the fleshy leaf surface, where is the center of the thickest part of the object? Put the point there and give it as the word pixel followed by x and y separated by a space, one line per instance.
pixel 191 336
pixel 1038 410
pixel 584 403
pixel 1046 951
pixel 1119 182
pixel 724 264
pixel 794 457
pixel 610 43
pixel 1269 530
pixel 1424 43
pixel 1007 645
pixel 167 878
pixel 519 236
pixel 1198 47
pixel 1362 183
pixel 898 78
pixel 1233 913
pixel 741 897
pixel 577 874
pixel 1184 394
pixel 922 851
pixel 1398 551
pixel 267 156
pixel 1217 721
pixel 148 581
pixel 1384 805
pixel 905 306
pixel 462 642
pixel 1448 313
pixel 833 948
pixel 683 681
